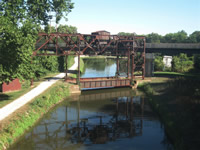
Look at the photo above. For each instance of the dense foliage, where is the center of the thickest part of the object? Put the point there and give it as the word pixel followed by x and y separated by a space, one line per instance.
pixel 20 21
pixel 179 37
pixel 158 63
pixel 197 63
pixel 16 48
pixel 182 63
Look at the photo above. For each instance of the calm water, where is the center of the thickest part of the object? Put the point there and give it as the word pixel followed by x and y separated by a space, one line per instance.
pixel 111 119
pixel 103 67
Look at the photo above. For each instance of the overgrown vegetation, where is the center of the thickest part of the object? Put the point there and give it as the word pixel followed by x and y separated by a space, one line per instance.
pixel 6 98
pixel 42 74
pixel 24 120
pixel 177 101
pixel 20 22
pixel 180 64
pixel 178 37
pixel 158 63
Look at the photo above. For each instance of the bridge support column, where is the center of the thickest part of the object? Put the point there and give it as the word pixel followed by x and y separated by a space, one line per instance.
pixel 117 73
pixel 133 68
pixel 79 53
pixel 149 67
pixel 128 64
pixel 78 76
pixel 66 71
pixel 144 54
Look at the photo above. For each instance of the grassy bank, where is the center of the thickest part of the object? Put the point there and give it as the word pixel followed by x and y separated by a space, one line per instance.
pixel 6 98
pixel 177 101
pixel 13 128
pixel 175 74
pixel 81 69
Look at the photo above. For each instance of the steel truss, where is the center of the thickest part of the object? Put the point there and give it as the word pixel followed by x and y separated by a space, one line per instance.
pixel 62 44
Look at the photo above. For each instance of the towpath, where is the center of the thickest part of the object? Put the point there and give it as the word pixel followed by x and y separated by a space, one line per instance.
pixel 21 101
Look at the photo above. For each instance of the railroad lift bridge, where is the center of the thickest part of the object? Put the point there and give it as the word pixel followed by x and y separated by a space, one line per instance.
pixel 97 43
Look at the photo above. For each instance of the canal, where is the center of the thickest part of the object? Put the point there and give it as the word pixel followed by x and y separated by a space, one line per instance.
pixel 109 119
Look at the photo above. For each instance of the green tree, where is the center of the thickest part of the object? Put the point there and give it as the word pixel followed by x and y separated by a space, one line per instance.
pixel 16 52
pixel 179 37
pixel 126 34
pixel 158 63
pixel 45 64
pixel 197 63
pixel 19 24
pixel 67 29
pixel 182 63
pixel 194 37
pixel 153 38
pixel 35 10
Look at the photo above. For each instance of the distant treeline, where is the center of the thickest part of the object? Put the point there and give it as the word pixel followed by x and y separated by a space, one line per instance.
pixel 178 37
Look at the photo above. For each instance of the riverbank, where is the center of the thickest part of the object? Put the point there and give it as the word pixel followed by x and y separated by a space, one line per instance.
pixel 17 123
pixel 15 126
pixel 178 107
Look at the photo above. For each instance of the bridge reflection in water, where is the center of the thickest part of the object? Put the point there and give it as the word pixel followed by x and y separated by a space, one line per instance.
pixel 95 118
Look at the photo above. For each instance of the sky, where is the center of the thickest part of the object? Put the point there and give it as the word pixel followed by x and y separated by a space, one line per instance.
pixel 139 16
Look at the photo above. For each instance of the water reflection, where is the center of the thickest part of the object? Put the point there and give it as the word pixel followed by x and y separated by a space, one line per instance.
pixel 98 124
pixel 102 128
pixel 103 67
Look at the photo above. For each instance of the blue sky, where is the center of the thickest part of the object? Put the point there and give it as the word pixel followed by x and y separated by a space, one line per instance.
pixel 139 16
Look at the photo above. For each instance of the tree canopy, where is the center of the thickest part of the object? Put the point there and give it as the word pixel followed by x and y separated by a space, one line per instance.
pixel 178 37
pixel 20 21
pixel 36 10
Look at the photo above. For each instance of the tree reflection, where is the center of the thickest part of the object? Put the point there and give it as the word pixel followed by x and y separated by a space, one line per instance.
pixel 98 64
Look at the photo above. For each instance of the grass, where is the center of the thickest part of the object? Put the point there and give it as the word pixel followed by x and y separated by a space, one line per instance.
pixel 177 101
pixel 15 126
pixel 81 69
pixel 70 61
pixel 176 74
pixel 6 98
pixel 22 121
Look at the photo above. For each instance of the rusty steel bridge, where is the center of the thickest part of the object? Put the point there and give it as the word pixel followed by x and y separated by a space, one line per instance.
pixel 61 44
pixel 102 43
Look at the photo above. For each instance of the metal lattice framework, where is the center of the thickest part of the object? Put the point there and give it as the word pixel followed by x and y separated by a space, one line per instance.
pixel 62 44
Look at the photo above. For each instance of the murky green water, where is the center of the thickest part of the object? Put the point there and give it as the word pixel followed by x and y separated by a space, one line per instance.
pixel 111 119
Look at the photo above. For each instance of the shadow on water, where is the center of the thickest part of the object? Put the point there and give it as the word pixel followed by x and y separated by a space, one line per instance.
pixel 103 119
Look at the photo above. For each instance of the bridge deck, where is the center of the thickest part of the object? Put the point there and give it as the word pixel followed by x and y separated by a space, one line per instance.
pixel 103 82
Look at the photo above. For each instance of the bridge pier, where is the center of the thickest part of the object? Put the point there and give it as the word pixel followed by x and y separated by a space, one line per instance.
pixel 128 64
pixel 117 73
pixel 133 68
pixel 149 64
pixel 78 76
pixel 66 71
